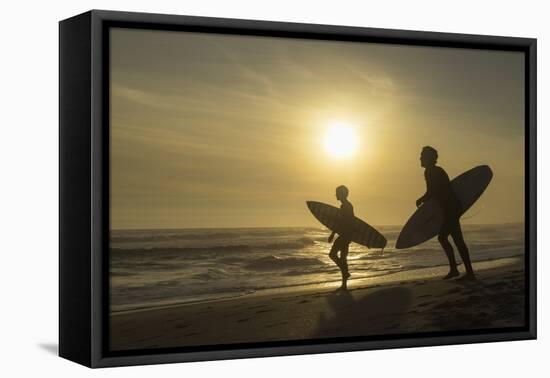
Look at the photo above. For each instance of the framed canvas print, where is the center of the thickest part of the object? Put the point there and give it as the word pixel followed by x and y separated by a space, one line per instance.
pixel 234 188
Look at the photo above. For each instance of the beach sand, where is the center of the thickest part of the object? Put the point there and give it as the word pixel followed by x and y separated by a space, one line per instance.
pixel 406 302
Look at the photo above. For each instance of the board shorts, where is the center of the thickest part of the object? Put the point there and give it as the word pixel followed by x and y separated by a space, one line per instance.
pixel 342 241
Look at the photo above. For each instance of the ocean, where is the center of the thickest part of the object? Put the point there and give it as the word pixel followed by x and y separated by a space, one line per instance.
pixel 152 268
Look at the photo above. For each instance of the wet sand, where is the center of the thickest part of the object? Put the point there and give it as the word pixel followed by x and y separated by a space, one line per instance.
pixel 406 302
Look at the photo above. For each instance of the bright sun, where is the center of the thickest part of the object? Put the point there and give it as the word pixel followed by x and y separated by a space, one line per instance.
pixel 340 140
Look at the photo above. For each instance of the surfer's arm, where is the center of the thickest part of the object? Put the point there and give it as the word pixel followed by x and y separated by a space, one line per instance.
pixel 331 237
pixel 426 196
pixel 429 190
pixel 422 199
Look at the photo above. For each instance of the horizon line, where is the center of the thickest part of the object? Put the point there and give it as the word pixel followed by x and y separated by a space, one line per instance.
pixel 302 226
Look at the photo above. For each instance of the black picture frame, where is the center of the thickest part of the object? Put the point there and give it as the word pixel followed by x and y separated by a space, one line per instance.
pixel 84 185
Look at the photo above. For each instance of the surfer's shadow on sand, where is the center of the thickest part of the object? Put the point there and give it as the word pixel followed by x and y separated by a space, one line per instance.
pixel 386 308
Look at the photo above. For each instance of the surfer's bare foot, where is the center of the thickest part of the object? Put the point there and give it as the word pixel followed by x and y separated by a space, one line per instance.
pixel 470 276
pixel 341 288
pixel 451 274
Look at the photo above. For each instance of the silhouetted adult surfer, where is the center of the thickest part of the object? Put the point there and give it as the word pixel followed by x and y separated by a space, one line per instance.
pixel 345 231
pixel 438 187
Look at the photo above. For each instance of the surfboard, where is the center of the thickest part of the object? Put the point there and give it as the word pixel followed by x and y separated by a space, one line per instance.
pixel 363 233
pixel 426 221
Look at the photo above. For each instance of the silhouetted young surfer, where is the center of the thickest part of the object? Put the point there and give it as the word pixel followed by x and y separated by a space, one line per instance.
pixel 438 186
pixel 345 231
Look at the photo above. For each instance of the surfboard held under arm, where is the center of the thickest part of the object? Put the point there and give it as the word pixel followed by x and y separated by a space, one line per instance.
pixel 363 233
pixel 426 221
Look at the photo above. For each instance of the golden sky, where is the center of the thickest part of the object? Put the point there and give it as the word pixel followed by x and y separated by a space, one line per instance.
pixel 214 130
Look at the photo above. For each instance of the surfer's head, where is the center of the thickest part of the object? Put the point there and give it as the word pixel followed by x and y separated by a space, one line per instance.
pixel 342 192
pixel 428 156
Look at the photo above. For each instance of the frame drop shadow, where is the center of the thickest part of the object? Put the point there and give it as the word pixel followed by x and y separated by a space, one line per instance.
pixel 52 348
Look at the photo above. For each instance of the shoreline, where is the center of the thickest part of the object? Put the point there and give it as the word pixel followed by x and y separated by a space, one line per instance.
pixel 353 283
pixel 402 302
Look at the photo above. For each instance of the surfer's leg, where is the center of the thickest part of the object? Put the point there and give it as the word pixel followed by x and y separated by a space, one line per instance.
pixel 443 238
pixel 344 261
pixel 334 252
pixel 458 238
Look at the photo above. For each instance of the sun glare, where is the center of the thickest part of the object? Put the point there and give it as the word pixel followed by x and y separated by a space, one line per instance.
pixel 340 140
